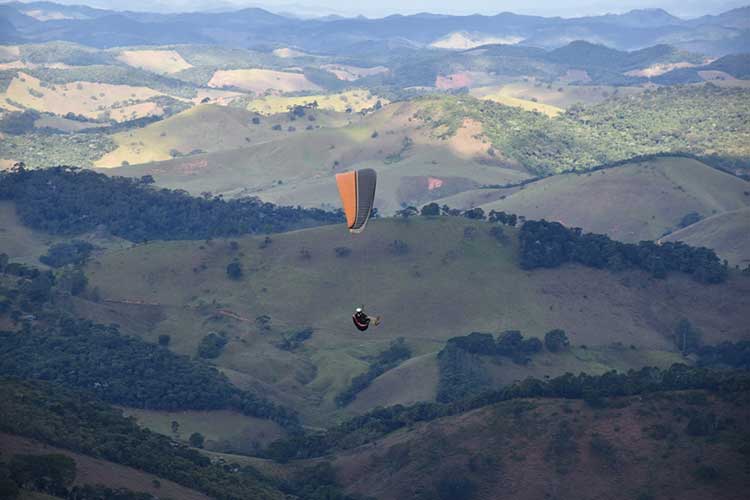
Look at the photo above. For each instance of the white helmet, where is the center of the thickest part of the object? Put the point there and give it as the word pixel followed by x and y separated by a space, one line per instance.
pixel 359 310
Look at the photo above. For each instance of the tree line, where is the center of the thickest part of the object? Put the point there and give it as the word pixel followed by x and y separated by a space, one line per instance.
pixel 125 370
pixel 461 372
pixel 550 244
pixel 69 201
pixel 396 353
pixel 591 388
pixel 75 421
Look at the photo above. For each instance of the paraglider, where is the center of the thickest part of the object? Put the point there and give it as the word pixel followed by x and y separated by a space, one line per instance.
pixel 357 190
pixel 362 320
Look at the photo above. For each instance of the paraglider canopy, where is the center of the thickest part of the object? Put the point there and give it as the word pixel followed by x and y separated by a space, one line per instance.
pixel 357 190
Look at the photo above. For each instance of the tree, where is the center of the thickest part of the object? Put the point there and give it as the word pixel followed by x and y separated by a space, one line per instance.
pixel 61 254
pixel 234 270
pixel 164 340
pixel 407 212
pixel 556 340
pixel 687 337
pixel 211 346
pixel 196 440
pixel 509 342
pixel 73 281
pixel 52 473
pixel 431 210
pixel 175 426
pixel 455 487
pixel 475 213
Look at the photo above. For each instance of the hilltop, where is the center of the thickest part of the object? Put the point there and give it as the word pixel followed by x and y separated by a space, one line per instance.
pixel 344 35
pixel 632 202
pixel 727 233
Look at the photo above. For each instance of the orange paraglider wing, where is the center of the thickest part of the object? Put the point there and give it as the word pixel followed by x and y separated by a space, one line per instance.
pixel 357 190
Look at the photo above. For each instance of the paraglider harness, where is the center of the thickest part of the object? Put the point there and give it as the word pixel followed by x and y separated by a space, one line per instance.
pixel 361 320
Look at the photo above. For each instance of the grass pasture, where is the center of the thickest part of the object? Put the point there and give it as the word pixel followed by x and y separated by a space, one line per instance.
pixel 18 241
pixel 294 165
pixel 421 294
pixel 157 61
pixel 633 202
pixel 355 100
pixel 224 430
pixel 262 81
pixel 351 73
pixel 203 128
pixel 92 100
pixel 550 99
pixel 727 233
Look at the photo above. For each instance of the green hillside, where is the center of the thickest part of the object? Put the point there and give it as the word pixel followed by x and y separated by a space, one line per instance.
pixel 297 167
pixel 448 277
pixel 703 120
pixel 633 202
pixel 727 233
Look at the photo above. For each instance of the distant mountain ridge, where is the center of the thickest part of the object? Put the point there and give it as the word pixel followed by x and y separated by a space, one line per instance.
pixel 251 27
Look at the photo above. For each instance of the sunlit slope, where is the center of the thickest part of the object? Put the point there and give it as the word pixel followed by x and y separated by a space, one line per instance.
pixel 92 100
pixel 206 127
pixel 550 98
pixel 632 202
pixel 355 100
pixel 727 233
pixel 449 277
pixel 297 165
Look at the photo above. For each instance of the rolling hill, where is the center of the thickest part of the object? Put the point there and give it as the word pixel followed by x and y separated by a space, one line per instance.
pixel 633 202
pixel 257 27
pixel 528 449
pixel 203 128
pixel 421 292
pixel 728 233
pixel 296 166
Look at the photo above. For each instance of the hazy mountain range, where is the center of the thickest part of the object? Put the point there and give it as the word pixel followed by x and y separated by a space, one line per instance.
pixel 253 27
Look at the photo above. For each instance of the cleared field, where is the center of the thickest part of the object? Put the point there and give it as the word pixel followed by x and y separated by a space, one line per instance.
pixel 421 294
pixel 158 61
pixel 224 430
pixel 524 104
pixel 351 73
pixel 462 40
pixel 19 242
pixel 92 100
pixel 354 100
pixel 727 233
pixel 551 98
pixel 262 81
pixel 26 245
pixel 723 79
pixel 639 201
pixel 64 125
pixel 659 69
pixel 286 52
pixel 94 471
